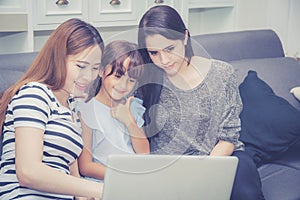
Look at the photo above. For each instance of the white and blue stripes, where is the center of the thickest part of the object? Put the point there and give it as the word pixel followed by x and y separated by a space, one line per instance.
pixel 36 106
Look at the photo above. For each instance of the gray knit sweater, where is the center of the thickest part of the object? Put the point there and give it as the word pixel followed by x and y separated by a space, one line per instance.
pixel 192 121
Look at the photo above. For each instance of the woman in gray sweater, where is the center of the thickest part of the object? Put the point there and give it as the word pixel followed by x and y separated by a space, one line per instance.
pixel 193 103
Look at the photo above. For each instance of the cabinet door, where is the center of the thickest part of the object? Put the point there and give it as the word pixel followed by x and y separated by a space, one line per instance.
pixel 177 4
pixel 108 13
pixel 48 14
pixel 13 6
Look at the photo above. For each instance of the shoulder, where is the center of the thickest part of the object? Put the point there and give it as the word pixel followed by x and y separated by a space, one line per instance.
pixel 223 66
pixel 88 112
pixel 82 106
pixel 224 70
pixel 35 91
pixel 201 64
pixel 35 88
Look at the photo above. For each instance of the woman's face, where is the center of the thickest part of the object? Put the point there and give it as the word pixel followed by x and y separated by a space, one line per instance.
pixel 116 87
pixel 167 54
pixel 82 69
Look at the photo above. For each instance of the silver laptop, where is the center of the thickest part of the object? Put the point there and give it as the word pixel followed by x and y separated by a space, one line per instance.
pixel 169 177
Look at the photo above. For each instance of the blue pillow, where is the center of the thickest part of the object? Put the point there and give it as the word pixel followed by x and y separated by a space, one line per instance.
pixel 270 124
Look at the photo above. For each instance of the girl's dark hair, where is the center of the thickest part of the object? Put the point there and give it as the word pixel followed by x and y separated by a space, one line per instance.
pixel 115 53
pixel 50 66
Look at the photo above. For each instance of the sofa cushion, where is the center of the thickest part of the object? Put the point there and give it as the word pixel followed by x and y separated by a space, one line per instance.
pixel 270 124
pixel 277 181
pixel 296 92
pixel 281 74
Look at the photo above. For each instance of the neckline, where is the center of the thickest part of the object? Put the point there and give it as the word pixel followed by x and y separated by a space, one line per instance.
pixel 170 84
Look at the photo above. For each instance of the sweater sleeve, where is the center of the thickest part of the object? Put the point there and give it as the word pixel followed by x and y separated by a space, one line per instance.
pixel 231 125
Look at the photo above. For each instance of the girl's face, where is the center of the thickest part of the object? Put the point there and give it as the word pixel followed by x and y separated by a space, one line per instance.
pixel 115 86
pixel 167 54
pixel 82 69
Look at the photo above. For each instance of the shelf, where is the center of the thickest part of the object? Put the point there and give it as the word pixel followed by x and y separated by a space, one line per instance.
pixel 210 3
pixel 13 22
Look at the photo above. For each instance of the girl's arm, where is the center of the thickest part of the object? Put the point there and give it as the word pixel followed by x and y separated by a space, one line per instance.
pixel 85 161
pixel 138 137
pixel 32 173
pixel 222 148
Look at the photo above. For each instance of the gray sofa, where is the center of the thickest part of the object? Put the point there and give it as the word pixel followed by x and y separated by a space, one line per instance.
pixel 261 51
pixel 258 50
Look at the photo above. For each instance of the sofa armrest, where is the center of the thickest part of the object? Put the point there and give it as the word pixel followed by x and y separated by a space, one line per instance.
pixel 240 45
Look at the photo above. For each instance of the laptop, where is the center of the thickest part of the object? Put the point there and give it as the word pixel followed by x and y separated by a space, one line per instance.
pixel 169 177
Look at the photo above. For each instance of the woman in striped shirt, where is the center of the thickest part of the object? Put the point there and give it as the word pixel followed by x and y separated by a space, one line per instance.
pixel 41 133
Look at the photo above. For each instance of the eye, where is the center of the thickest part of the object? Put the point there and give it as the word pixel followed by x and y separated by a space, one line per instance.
pixel 118 75
pixel 169 49
pixel 80 66
pixel 132 80
pixel 96 68
pixel 153 53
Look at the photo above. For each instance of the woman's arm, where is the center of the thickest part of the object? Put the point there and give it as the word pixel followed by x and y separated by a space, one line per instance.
pixel 222 148
pixel 74 171
pixel 32 173
pixel 231 124
pixel 85 161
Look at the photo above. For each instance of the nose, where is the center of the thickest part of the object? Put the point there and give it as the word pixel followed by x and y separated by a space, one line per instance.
pixel 123 83
pixel 88 74
pixel 164 58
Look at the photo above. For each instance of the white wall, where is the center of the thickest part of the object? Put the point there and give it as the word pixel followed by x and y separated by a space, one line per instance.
pixel 293 31
pixel 283 16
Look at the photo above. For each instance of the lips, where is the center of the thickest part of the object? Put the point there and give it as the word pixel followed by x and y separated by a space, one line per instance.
pixel 81 86
pixel 120 92
pixel 169 67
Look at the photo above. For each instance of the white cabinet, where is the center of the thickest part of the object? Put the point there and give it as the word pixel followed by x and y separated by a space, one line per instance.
pixel 115 12
pixel 13 6
pixel 34 20
pixel 15 32
pixel 112 13
pixel 48 14
pixel 212 15
pixel 13 11
pixel 174 3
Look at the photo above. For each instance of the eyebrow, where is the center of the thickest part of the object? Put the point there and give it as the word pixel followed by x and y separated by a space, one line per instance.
pixel 85 62
pixel 172 45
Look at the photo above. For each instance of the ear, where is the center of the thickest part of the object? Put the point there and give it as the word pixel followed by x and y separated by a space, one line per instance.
pixel 186 37
pixel 101 72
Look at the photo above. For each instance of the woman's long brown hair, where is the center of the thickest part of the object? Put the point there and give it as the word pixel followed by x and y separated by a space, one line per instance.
pixel 49 67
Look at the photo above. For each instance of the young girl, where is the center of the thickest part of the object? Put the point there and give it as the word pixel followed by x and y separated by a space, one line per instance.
pixel 41 139
pixel 111 120
pixel 198 102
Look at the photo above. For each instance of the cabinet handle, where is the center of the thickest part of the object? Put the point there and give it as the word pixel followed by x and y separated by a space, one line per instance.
pixel 115 2
pixel 159 1
pixel 62 2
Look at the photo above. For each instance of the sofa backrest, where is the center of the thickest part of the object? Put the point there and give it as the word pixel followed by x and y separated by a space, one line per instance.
pixel 239 45
pixel 257 50
pixel 13 66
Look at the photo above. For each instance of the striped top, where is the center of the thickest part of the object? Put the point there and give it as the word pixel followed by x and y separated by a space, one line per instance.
pixel 35 105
